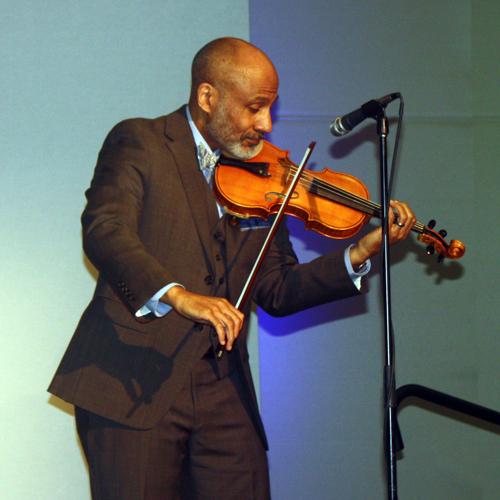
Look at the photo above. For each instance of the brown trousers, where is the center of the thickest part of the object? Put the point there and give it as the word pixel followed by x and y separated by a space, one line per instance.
pixel 205 448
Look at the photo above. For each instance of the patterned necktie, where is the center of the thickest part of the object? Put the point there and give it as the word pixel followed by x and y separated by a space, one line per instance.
pixel 207 162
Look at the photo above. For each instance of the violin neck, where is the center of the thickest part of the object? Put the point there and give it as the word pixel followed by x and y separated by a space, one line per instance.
pixel 352 201
pixel 418 227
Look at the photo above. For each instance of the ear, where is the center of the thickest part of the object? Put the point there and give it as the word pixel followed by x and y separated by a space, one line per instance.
pixel 208 97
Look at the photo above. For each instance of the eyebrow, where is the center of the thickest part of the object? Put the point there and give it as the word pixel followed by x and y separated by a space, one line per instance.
pixel 265 99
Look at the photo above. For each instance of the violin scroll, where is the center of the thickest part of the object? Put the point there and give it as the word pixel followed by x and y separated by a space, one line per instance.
pixel 436 243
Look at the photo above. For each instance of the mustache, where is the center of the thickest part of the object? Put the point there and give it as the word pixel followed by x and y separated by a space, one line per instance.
pixel 254 137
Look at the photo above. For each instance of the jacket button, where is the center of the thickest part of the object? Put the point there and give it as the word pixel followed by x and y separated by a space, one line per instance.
pixel 217 235
pixel 218 257
pixel 209 280
pixel 221 281
pixel 198 327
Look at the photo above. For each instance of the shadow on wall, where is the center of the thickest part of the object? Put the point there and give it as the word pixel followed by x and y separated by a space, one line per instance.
pixel 310 241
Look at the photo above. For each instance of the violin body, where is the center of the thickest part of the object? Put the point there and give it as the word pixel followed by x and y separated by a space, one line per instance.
pixel 248 193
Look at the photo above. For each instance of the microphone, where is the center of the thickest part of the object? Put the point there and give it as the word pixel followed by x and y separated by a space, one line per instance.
pixel 344 124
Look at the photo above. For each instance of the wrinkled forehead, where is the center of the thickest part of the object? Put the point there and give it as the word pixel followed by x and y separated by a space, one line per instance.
pixel 253 81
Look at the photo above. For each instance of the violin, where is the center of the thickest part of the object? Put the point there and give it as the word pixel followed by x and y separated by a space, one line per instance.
pixel 334 204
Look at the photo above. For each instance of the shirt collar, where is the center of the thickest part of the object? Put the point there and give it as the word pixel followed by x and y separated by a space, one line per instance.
pixel 198 138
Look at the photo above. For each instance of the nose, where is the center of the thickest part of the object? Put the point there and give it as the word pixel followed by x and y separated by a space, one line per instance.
pixel 265 124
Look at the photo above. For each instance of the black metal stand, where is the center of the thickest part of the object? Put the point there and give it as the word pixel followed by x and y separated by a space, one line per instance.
pixel 389 373
pixel 376 110
pixel 446 401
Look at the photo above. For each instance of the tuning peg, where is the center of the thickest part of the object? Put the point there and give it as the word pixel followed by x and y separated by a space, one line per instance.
pixel 440 258
pixel 430 249
pixel 443 233
pixel 431 224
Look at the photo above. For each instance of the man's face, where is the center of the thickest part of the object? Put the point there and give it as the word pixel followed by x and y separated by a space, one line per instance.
pixel 242 116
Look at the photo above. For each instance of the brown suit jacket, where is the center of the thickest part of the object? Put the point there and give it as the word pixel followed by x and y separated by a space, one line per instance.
pixel 151 220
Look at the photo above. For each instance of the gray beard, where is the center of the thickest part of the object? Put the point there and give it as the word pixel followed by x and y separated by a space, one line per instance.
pixel 221 129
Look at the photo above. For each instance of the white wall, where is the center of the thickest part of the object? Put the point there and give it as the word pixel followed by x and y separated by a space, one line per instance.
pixel 69 71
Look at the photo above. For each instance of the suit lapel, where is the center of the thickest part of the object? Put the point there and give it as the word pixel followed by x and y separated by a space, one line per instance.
pixel 201 200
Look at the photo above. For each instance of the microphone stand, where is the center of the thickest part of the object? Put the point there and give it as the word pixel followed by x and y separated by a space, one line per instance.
pixel 389 375
pixel 376 110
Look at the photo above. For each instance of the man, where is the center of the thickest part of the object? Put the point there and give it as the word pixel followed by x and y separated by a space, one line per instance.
pixel 159 417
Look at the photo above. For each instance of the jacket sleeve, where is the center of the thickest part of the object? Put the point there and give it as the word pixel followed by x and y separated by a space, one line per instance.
pixel 111 218
pixel 285 287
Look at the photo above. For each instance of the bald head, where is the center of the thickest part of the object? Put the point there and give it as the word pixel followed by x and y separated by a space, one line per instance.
pixel 225 62
pixel 234 86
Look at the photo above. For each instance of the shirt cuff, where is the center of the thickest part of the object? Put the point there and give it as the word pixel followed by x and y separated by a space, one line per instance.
pixel 356 276
pixel 153 305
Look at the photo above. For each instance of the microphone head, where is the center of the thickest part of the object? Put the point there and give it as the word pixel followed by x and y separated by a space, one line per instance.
pixel 337 129
pixel 344 124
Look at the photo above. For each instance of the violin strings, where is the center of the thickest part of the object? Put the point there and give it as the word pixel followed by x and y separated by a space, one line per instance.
pixel 365 205
pixel 307 181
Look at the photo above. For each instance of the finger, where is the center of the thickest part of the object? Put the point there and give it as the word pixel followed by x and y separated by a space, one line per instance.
pixel 215 319
pixel 404 222
pixel 396 221
pixel 221 332
pixel 232 315
pixel 233 323
pixel 409 218
pixel 227 322
pixel 393 213
pixel 229 332
pixel 399 221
